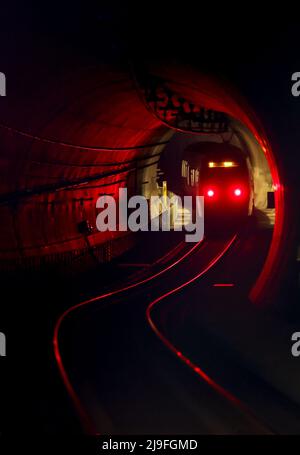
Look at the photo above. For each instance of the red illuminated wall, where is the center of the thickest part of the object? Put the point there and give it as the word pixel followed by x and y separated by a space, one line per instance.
pixel 95 108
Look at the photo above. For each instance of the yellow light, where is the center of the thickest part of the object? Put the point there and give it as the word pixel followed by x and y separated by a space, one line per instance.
pixel 212 164
pixel 228 164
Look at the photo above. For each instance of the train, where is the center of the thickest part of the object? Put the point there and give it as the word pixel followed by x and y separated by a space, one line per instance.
pixel 219 171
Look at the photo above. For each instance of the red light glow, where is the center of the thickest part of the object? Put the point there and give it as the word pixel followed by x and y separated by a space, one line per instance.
pixel 210 193
pixel 237 192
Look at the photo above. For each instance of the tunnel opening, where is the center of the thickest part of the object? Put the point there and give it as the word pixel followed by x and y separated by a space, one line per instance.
pixel 193 88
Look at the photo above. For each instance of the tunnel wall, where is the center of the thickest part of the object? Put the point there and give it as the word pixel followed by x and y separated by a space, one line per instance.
pixel 64 141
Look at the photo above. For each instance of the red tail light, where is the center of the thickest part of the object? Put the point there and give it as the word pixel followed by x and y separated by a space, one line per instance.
pixel 210 193
pixel 237 192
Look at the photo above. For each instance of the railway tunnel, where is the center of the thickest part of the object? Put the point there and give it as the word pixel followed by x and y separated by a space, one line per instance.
pixel 81 121
pixel 92 131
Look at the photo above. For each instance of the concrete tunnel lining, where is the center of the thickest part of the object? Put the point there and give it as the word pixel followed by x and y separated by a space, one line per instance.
pixel 84 122
pixel 55 214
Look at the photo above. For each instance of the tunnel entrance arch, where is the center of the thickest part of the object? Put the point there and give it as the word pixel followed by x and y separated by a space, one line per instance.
pixel 221 107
